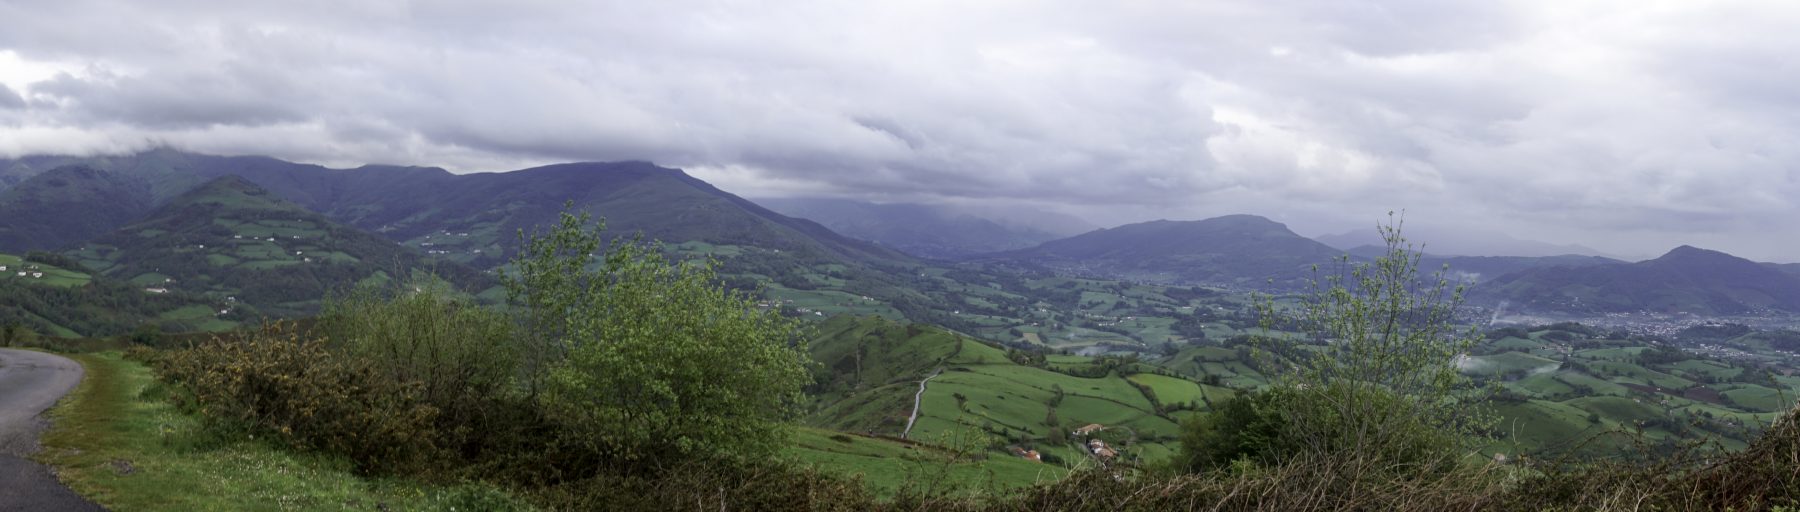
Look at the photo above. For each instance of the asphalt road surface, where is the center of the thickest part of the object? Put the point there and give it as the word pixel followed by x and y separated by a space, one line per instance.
pixel 31 382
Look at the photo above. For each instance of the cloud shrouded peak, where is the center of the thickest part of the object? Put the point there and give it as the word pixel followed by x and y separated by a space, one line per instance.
pixel 1626 126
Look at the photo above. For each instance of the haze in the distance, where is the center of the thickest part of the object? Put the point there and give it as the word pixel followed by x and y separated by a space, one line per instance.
pixel 1626 126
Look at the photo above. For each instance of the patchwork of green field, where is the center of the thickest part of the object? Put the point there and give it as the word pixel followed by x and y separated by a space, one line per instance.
pixel 886 464
pixel 825 303
pixel 1170 390
pixel 1701 368
pixel 1591 385
pixel 1619 409
pixel 1225 364
pixel 1539 425
pixel 1621 387
pixel 1757 398
pixel 272 228
pixel 1544 385
pixel 1631 373
pixel 477 244
pixel 39 273
pixel 876 366
pixel 1611 354
pixel 1509 362
pixel 1516 344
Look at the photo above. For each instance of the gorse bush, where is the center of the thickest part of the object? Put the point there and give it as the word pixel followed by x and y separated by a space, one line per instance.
pixel 460 358
pixel 293 388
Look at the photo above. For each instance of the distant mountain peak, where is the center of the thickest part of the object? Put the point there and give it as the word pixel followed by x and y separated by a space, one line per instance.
pixel 1246 250
pixel 1690 255
pixel 1689 250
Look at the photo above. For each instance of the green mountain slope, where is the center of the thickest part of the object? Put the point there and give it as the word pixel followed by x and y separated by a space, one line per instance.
pixel 1687 279
pixel 234 241
pixel 1240 250
pixel 65 205
pixel 49 295
pixel 873 367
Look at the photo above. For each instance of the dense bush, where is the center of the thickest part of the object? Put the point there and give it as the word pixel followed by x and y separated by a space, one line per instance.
pixel 644 361
pixel 279 383
pixel 1246 427
pixel 460 358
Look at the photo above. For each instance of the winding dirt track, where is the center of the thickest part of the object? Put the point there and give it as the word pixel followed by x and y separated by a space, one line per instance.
pixel 31 382
pixel 918 397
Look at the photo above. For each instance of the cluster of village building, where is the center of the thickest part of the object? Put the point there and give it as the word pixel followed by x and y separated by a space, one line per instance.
pixel 31 271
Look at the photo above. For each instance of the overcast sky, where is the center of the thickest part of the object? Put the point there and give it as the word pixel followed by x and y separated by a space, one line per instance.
pixel 1628 126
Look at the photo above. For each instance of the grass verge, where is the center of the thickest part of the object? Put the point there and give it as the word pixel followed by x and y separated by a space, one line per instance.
pixel 116 441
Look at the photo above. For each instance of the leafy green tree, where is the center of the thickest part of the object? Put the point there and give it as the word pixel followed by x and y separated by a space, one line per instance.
pixel 1378 383
pixel 549 284
pixel 651 360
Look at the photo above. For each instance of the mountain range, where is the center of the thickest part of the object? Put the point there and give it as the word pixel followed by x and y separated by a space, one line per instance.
pixel 1685 280
pixel 163 214
pixel 929 231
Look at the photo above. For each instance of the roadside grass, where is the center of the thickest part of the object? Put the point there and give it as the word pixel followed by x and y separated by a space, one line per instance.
pixel 118 442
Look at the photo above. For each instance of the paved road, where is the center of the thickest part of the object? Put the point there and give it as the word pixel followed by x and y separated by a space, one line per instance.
pixel 918 397
pixel 31 382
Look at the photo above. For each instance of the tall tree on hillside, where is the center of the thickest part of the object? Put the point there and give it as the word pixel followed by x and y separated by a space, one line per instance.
pixel 1381 383
pixel 649 360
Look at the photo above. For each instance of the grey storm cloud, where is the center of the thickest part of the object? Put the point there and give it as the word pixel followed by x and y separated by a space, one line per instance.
pixel 10 99
pixel 1633 125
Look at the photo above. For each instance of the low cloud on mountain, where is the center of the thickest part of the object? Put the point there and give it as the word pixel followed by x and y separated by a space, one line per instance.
pixel 1626 126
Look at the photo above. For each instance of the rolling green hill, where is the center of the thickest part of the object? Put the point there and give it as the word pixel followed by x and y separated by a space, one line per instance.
pixel 1686 279
pixel 66 301
pixel 1580 392
pixel 18 269
pixel 873 367
pixel 234 241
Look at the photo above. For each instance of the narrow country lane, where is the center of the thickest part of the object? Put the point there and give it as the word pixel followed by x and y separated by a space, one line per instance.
pixel 31 382
pixel 917 397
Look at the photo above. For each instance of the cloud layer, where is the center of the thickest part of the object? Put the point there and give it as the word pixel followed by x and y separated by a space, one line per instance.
pixel 1629 126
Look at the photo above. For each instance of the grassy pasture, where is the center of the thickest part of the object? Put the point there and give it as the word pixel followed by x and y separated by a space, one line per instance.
pixel 885 465
pixel 1170 389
